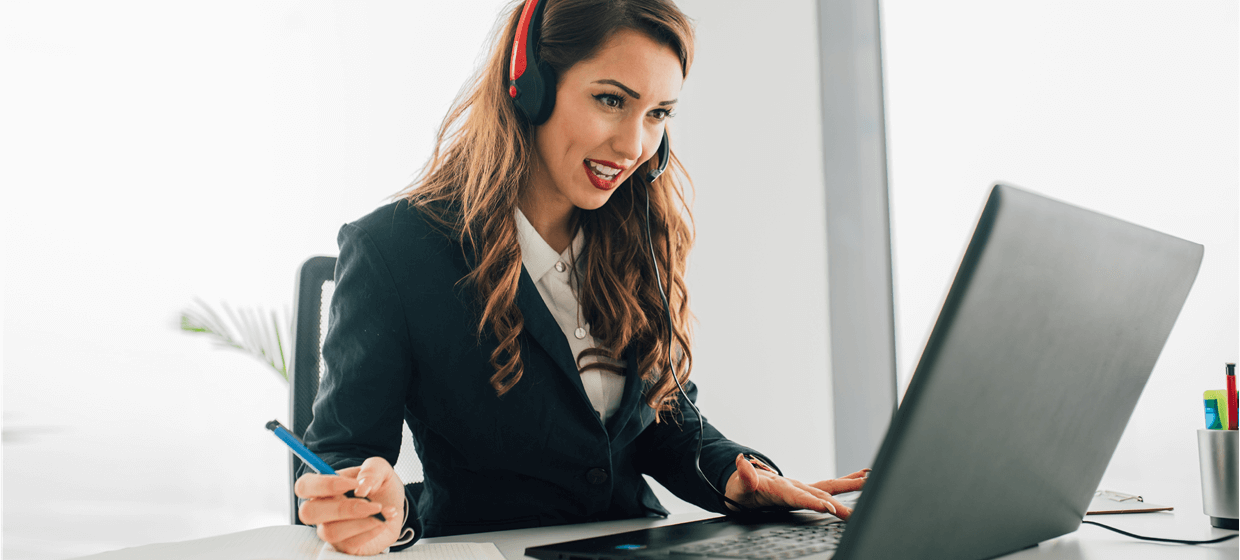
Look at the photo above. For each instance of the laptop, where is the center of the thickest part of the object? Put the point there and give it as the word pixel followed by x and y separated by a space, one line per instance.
pixel 1042 347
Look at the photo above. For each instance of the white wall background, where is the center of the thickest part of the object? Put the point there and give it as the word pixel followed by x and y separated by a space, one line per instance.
pixel 154 152
pixel 1127 108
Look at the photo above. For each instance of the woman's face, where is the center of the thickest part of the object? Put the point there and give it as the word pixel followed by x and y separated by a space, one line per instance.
pixel 608 119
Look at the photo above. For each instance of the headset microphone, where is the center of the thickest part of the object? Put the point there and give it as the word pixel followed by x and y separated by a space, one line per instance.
pixel 665 152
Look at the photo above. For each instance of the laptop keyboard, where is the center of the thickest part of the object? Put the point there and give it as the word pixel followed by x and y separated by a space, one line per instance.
pixel 775 544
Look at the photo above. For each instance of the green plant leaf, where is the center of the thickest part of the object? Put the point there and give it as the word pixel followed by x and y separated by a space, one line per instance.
pixel 245 330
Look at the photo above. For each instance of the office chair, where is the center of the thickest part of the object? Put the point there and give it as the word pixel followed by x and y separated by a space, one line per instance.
pixel 311 300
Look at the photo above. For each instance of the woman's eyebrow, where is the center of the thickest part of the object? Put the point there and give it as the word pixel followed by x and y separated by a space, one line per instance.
pixel 629 91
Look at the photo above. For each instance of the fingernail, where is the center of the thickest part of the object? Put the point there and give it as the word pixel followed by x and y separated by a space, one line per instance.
pixel 362 490
pixel 829 506
pixel 390 512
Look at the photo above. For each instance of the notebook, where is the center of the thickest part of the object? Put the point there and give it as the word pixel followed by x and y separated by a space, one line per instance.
pixel 1106 501
pixel 1040 351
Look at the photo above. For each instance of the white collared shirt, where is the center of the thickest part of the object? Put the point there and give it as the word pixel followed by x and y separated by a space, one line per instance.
pixel 553 275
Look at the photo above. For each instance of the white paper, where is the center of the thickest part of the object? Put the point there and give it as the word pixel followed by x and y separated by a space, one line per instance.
pixel 436 551
pixel 288 542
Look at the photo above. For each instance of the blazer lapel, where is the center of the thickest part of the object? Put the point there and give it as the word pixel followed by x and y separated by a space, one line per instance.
pixel 543 329
pixel 633 385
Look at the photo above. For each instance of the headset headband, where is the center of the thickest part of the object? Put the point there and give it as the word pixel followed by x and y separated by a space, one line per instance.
pixel 519 54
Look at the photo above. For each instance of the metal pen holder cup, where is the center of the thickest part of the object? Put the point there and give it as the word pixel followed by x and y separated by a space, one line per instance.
pixel 1220 492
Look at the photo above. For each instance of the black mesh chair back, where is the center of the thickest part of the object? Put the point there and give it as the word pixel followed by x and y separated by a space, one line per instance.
pixel 315 284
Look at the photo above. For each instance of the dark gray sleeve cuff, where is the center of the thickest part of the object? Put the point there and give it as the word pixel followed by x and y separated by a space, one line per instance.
pixel 411 531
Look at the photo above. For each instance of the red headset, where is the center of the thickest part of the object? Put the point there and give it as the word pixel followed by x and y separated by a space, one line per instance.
pixel 531 81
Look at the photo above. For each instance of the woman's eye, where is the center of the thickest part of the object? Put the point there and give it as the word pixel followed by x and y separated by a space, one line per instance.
pixel 661 114
pixel 613 101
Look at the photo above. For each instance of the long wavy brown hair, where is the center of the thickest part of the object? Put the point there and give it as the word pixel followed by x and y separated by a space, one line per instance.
pixel 482 162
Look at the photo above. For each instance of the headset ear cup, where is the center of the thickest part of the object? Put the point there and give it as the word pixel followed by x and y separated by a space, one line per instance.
pixel 545 94
pixel 531 81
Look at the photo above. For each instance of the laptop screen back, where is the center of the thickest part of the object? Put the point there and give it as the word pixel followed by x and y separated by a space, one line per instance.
pixel 1044 343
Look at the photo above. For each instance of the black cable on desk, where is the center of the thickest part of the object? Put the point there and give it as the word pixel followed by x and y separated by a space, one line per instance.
pixel 1177 541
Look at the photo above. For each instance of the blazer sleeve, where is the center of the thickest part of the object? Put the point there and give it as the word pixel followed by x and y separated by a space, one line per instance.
pixel 361 399
pixel 666 452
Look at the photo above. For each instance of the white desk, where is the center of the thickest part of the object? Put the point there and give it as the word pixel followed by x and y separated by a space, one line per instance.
pixel 1089 542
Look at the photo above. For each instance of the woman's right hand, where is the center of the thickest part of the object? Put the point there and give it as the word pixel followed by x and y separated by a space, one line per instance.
pixel 346 523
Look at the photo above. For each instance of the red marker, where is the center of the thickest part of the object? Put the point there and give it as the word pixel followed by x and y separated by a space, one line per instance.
pixel 1231 396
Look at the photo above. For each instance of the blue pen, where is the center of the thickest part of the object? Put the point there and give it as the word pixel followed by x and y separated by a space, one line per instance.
pixel 313 461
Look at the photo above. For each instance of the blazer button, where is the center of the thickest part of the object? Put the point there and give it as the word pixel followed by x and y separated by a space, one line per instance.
pixel 596 476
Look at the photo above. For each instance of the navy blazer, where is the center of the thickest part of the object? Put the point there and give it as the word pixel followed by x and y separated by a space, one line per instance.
pixel 402 345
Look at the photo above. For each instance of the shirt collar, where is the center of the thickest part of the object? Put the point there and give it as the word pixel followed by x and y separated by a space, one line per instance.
pixel 537 256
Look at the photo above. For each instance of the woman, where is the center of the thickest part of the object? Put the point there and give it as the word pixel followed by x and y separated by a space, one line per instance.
pixel 507 307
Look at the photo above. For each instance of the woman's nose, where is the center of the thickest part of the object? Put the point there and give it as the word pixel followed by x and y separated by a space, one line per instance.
pixel 628 141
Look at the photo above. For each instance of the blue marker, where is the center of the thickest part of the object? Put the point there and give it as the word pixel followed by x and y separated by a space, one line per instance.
pixel 313 461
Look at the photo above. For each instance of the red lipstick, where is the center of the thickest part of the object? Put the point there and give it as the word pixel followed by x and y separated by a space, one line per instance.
pixel 599 182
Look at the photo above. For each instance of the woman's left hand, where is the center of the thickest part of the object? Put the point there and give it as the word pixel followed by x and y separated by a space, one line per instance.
pixel 759 488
